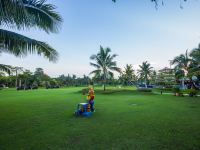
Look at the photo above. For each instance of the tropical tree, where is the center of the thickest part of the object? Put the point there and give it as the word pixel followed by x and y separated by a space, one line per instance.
pixel 182 66
pixel 5 68
pixel 26 78
pixel 182 62
pixel 128 75
pixel 104 64
pixel 195 55
pixel 2 74
pixel 16 71
pixel 40 76
pixel 145 71
pixel 26 14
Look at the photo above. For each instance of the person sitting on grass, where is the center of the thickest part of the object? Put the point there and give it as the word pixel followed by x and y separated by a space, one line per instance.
pixel 91 98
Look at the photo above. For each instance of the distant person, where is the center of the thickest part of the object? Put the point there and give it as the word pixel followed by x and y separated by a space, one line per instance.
pixel 91 98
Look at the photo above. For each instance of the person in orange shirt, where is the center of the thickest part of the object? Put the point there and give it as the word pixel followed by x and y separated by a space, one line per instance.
pixel 91 98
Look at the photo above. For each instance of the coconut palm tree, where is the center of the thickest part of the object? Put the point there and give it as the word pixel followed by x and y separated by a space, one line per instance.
pixel 26 14
pixel 145 71
pixel 182 62
pixel 128 74
pixel 195 55
pixel 182 66
pixel 105 65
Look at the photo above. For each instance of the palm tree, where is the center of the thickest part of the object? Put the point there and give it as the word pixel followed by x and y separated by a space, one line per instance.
pixel 182 66
pixel 128 74
pixel 195 55
pixel 26 14
pixel 145 71
pixel 182 62
pixel 105 65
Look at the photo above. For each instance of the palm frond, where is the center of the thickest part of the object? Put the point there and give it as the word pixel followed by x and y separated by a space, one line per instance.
pixel 93 57
pixel 98 71
pixel 195 54
pixel 98 59
pixel 42 15
pixel 110 74
pixel 116 69
pixel 95 65
pixel 113 56
pixel 12 13
pixel 20 45
pixel 29 13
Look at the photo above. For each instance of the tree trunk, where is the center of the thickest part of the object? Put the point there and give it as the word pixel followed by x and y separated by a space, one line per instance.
pixel 104 86
pixel 25 85
pixel 146 81
pixel 183 84
pixel 16 82
pixel 20 82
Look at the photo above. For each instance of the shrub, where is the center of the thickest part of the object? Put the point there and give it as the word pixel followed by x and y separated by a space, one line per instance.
pixel 85 91
pixel 176 89
pixel 145 90
pixel 164 89
pixel 191 92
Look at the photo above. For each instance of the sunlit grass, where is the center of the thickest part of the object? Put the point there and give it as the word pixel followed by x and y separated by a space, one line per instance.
pixel 124 119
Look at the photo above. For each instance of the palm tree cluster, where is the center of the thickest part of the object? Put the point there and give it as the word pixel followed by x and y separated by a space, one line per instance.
pixel 187 65
pixel 27 14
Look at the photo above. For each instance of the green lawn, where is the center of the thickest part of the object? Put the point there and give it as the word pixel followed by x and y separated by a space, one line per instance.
pixel 43 119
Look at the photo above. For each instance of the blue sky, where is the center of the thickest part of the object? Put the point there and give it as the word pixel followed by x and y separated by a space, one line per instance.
pixel 134 30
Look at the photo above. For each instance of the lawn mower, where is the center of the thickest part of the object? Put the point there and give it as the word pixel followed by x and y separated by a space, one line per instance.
pixel 83 109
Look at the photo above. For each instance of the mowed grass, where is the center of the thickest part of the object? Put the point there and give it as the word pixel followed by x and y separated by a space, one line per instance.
pixel 124 119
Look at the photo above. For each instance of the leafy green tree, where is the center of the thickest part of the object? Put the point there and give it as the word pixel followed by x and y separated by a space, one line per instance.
pixel 5 68
pixel 145 72
pixel 16 71
pixel 40 76
pixel 26 14
pixel 26 79
pixel 53 82
pixel 104 64
pixel 2 74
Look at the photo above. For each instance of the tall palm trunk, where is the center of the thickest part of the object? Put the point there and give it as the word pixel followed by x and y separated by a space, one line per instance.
pixel 104 81
pixel 16 81
pixel 145 81
pixel 104 86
